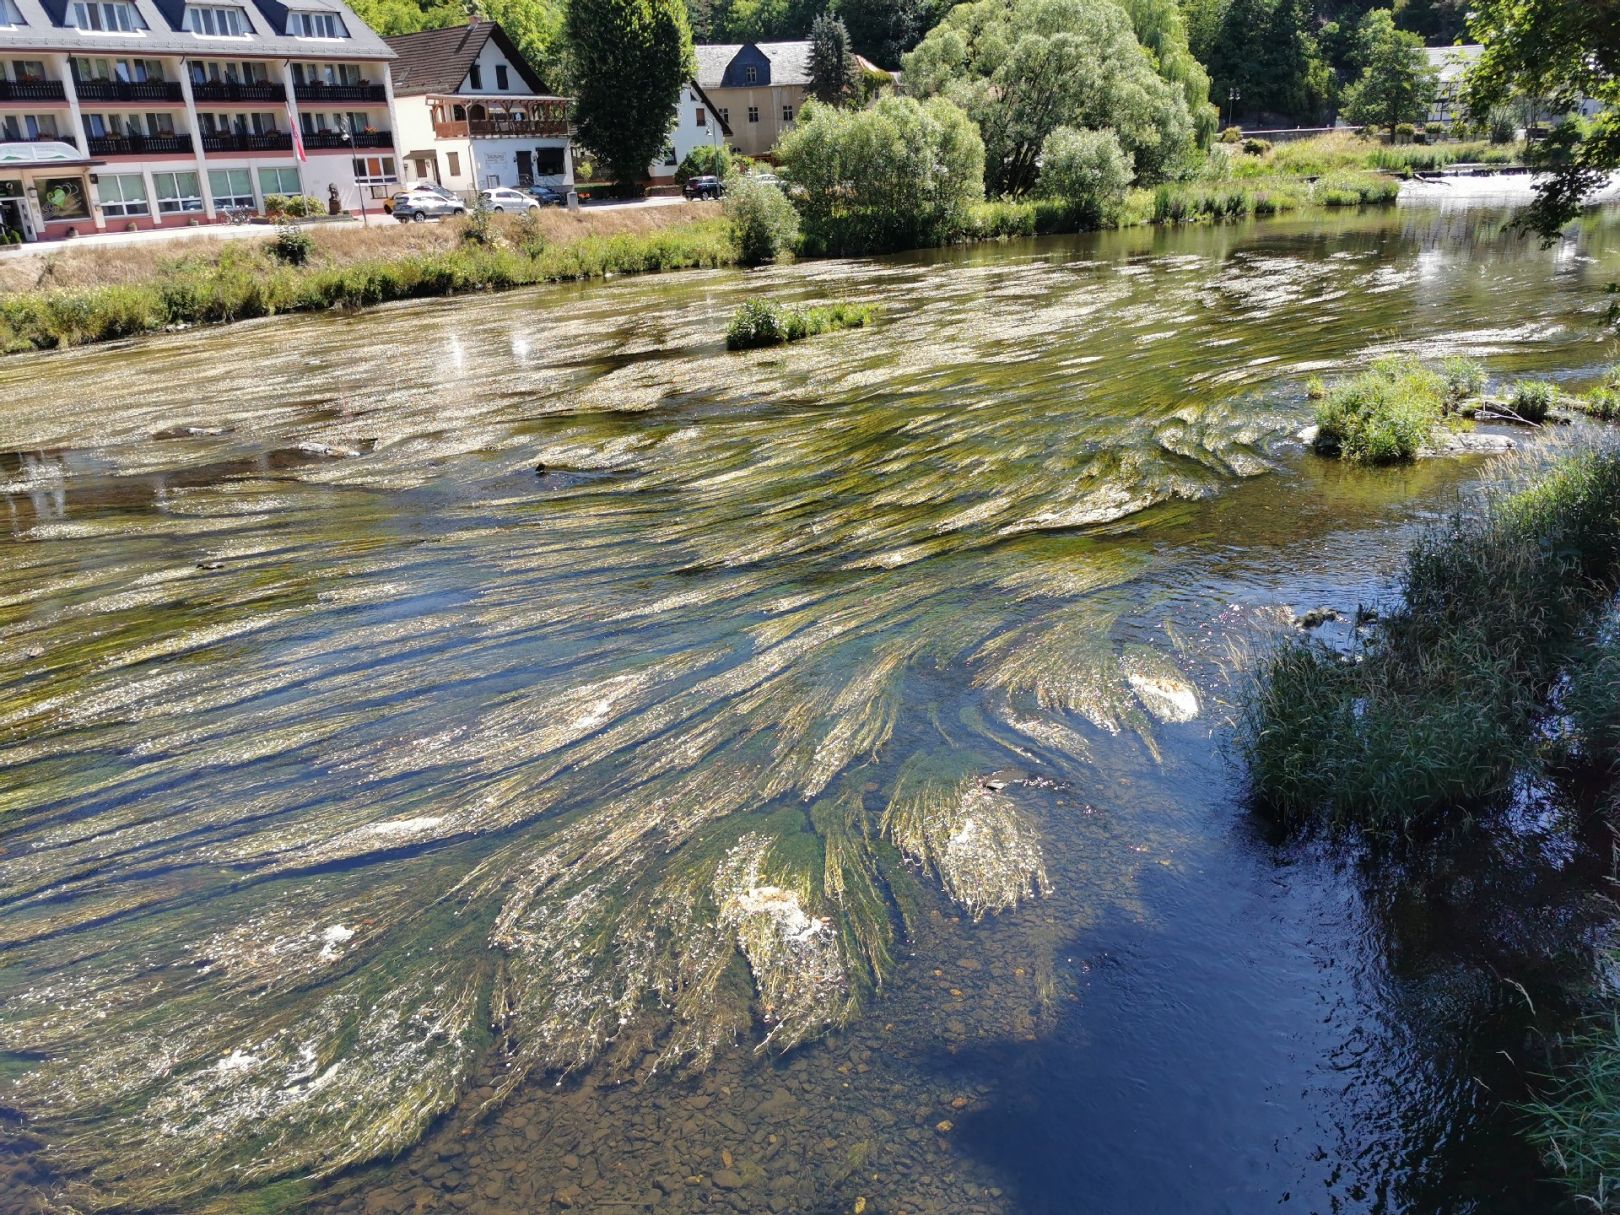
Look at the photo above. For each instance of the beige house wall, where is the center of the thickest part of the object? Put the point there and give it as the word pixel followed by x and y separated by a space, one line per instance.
pixel 758 138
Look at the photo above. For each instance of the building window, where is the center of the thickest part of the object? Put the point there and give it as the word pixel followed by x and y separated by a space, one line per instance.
pixel 753 113
pixel 750 75
pixel 701 117
pixel 548 162
pixel 231 187
pixel 374 170
pixel 63 198
pixel 725 116
pixel 123 195
pixel 177 192
pixel 216 22
pixel 455 163
pixel 669 154
pixel 107 17
pixel 475 77
pixel 279 181
pixel 787 113
pixel 501 78
pixel 28 126
pixel 28 71
pixel 10 17
pixel 315 25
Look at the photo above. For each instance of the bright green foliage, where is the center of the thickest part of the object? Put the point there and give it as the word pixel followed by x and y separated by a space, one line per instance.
pixel 768 20
pixel 898 175
pixel 762 323
pixel 832 63
pixel 1356 190
pixel 1559 51
pixel 1162 28
pixel 705 160
pixel 631 58
pixel 1439 714
pixel 1532 400
pixel 1465 378
pixel 764 224
pixel 1383 416
pixel 535 26
pixel 1023 68
pixel 291 245
pixel 1086 169
pixel 1397 84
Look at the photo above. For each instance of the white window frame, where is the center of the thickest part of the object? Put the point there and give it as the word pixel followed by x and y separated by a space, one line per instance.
pixel 10 15
pixel 87 11
pixel 124 207
pixel 231 196
pixel 300 21
pixel 753 113
pixel 199 15
pixel 278 170
pixel 176 203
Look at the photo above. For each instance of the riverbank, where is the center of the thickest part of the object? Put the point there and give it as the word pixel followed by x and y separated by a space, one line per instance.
pixel 78 297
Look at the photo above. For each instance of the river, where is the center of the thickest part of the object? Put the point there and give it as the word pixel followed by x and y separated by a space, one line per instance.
pixel 514 741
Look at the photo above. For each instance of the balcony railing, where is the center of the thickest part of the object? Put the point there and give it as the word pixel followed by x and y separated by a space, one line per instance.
pixel 32 90
pixel 500 128
pixel 7 137
pixel 231 90
pixel 128 90
pixel 362 139
pixel 224 141
pixel 137 145
pixel 315 91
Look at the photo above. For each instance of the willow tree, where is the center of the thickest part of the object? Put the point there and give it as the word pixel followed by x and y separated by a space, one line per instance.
pixel 631 59
pixel 1024 68
pixel 1565 54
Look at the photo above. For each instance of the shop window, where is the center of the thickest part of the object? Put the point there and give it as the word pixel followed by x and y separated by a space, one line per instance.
pixel 63 198
pixel 231 187
pixel 177 192
pixel 123 195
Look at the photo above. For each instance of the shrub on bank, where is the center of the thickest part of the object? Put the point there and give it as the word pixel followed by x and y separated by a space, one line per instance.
pixel 1383 416
pixel 1350 189
pixel 763 323
pixel 1438 713
pixel 1532 400
pixel 1088 172
pixel 764 224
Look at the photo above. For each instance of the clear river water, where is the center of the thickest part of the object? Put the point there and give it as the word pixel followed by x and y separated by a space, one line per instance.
pixel 509 754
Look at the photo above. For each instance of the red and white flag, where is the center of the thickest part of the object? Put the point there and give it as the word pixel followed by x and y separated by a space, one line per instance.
pixel 297 135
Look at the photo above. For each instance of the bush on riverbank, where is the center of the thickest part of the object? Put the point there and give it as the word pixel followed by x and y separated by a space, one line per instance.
pixel 1383 416
pixel 1438 712
pixel 764 224
pixel 763 323
pixel 240 281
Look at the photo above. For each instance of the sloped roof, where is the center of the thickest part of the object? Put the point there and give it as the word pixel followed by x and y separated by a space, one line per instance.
pixel 44 27
pixel 790 61
pixel 1452 61
pixel 436 61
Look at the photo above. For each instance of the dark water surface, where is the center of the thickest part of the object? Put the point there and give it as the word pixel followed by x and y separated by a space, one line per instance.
pixel 807 793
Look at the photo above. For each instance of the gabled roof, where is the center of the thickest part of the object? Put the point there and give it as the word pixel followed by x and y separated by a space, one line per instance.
pixel 790 61
pixel 44 27
pixel 1452 61
pixel 436 61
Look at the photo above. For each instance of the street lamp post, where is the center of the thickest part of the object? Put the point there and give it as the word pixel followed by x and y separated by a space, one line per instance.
pixel 347 132
pixel 1233 96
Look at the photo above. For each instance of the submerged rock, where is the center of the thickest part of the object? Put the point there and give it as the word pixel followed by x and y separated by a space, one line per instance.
pixel 1316 618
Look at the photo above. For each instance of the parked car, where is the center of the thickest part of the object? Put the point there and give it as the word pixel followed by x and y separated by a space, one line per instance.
pixel 768 179
pixel 548 196
pixel 503 199
pixel 704 187
pixel 417 205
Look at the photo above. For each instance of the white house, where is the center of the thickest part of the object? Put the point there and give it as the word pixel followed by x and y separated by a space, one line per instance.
pixel 472 114
pixel 1452 64
pixel 697 124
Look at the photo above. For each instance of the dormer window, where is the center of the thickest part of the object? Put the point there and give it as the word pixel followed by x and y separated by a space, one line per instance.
pixel 216 21
pixel 750 75
pixel 10 17
pixel 107 17
pixel 315 25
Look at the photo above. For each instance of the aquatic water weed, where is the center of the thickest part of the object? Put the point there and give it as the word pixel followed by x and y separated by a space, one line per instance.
pixel 1435 712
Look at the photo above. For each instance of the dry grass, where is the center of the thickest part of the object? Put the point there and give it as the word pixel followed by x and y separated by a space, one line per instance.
pixel 92 265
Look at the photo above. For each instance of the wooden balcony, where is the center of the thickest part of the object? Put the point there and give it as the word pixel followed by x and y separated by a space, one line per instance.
pixel 128 90
pixel 501 128
pixel 232 90
pixel 230 141
pixel 139 145
pixel 32 90
pixel 312 91
pixel 362 139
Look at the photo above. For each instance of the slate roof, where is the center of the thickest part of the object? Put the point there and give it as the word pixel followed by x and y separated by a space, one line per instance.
pixel 436 61
pixel 790 61
pixel 1452 61
pixel 45 28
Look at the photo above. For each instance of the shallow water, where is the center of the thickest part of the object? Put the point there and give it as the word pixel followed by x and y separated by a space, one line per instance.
pixel 807 786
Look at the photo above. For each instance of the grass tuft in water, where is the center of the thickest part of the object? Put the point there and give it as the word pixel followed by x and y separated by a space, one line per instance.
pixel 765 323
pixel 1386 415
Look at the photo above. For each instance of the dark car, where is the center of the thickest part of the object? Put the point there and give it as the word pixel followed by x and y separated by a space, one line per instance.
pixel 703 187
pixel 548 197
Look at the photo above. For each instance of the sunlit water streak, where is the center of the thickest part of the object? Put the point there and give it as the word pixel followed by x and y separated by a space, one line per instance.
pixel 342 750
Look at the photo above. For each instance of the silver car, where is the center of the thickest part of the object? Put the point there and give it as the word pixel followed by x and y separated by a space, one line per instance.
pixel 418 205
pixel 502 199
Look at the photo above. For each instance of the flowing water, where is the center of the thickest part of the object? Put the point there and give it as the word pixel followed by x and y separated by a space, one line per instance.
pixel 516 748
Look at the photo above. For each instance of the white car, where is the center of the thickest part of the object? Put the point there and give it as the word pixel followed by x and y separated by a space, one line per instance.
pixel 419 205
pixel 502 199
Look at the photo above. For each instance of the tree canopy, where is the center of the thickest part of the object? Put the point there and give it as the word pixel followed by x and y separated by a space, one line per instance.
pixel 1397 84
pixel 535 27
pixel 1022 68
pixel 832 65
pixel 1267 50
pixel 646 43
pixel 1558 52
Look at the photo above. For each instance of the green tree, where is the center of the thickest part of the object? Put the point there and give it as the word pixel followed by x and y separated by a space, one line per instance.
pixel 1162 29
pixel 768 20
pixel 832 66
pixel 1086 169
pixel 1559 52
pixel 897 175
pixel 884 30
pixel 1023 68
pixel 1267 51
pixel 535 26
pixel 631 58
pixel 1397 84
pixel 764 224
